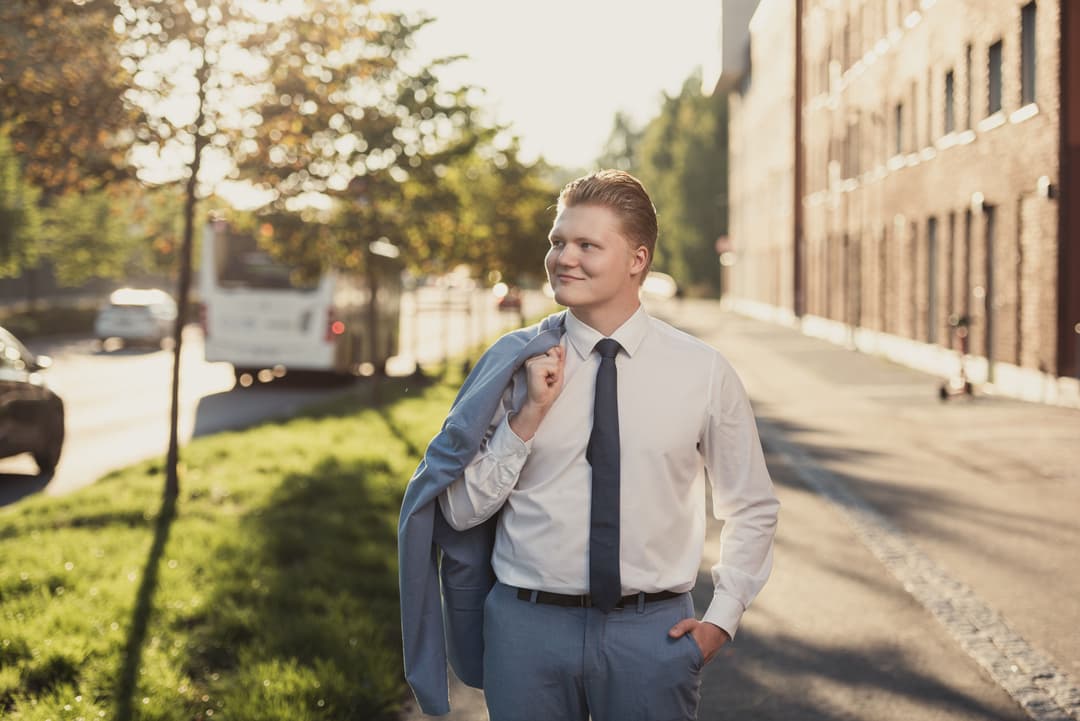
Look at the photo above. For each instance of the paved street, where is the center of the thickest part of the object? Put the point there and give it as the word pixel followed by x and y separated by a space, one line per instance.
pixel 117 402
pixel 925 564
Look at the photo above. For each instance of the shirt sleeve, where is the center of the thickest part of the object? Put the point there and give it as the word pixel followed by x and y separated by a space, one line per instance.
pixel 743 497
pixel 490 476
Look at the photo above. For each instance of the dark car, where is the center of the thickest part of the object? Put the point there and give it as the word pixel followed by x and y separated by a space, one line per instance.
pixel 31 415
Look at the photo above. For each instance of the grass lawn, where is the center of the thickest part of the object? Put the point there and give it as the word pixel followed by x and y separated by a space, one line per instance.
pixel 268 592
pixel 50 321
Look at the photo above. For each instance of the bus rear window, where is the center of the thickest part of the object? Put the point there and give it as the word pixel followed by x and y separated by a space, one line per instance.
pixel 248 267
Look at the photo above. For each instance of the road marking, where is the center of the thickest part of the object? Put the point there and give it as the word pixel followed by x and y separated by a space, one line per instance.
pixel 1029 676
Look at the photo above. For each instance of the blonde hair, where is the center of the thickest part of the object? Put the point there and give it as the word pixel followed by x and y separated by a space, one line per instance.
pixel 626 196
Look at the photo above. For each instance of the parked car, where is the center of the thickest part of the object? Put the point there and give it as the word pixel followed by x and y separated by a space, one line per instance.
pixel 136 315
pixel 31 415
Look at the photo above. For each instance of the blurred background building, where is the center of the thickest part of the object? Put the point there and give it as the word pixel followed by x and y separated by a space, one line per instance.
pixel 900 164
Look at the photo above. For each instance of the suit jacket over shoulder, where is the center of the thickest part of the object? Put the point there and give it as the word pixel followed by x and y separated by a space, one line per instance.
pixel 443 622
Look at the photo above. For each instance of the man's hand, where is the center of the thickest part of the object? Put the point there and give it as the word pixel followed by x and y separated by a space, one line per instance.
pixel 545 381
pixel 709 637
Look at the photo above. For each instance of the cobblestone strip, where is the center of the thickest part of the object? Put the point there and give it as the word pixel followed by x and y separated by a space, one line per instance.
pixel 1030 677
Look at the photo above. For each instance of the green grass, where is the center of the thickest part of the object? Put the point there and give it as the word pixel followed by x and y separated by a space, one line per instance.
pixel 268 592
pixel 50 321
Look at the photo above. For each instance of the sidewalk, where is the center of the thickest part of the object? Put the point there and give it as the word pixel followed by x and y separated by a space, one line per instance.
pixel 926 553
pixel 987 491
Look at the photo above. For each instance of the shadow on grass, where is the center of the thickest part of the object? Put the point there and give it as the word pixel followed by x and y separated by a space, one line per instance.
pixel 144 601
pixel 303 622
pixel 413 450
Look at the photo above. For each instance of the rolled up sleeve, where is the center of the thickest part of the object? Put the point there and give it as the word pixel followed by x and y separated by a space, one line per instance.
pixel 489 478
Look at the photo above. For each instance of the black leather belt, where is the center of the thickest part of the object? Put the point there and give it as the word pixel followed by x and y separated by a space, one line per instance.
pixel 585 601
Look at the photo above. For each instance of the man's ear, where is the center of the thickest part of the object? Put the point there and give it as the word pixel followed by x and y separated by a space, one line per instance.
pixel 640 260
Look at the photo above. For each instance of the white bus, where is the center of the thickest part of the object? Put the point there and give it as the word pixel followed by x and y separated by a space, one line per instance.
pixel 257 315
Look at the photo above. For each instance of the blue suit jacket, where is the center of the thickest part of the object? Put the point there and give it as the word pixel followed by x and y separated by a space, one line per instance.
pixel 431 634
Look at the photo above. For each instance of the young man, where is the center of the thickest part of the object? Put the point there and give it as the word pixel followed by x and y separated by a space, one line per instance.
pixel 601 519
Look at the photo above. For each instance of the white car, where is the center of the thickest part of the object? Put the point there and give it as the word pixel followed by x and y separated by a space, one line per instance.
pixel 136 315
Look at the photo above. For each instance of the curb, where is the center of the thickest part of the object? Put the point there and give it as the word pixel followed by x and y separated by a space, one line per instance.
pixel 1010 381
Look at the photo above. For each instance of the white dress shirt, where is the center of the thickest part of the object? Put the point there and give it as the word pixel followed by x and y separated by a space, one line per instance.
pixel 681 407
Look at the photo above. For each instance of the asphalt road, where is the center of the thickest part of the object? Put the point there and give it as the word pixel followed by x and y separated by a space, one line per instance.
pixel 117 401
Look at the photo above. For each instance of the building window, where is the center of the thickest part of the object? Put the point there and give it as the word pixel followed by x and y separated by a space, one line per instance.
pixel 931 281
pixel 899 148
pixel 914 115
pixel 929 108
pixel 860 33
pixel 993 77
pixel 950 107
pixel 1027 54
pixel 826 71
pixel 970 87
pixel 847 45
pixel 913 281
pixel 856 147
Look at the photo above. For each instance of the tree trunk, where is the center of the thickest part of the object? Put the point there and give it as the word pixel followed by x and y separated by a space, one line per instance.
pixel 172 478
pixel 373 325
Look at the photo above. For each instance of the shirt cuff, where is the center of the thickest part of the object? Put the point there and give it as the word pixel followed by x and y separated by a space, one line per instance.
pixel 725 611
pixel 505 444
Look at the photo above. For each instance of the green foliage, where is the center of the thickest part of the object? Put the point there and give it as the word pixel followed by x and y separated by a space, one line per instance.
pixel 360 124
pixel 20 221
pixel 681 157
pixel 62 87
pixel 520 211
pixel 271 594
pixel 317 101
pixel 621 148
pixel 492 210
pixel 87 237
pixel 116 232
pixel 59 320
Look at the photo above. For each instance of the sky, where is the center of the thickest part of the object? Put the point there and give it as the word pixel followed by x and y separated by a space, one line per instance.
pixel 558 70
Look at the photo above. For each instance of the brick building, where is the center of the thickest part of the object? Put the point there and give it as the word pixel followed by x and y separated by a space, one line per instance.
pixel 933 174
pixel 761 183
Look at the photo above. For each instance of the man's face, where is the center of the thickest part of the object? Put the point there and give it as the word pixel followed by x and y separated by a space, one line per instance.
pixel 591 264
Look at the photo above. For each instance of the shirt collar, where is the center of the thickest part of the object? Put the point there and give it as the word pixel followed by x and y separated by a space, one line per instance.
pixel 584 338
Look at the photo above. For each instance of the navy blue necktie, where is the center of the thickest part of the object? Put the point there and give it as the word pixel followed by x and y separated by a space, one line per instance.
pixel 603 455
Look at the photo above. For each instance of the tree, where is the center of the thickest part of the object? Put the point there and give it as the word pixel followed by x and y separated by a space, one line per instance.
pixel 88 236
pixel 301 98
pixel 621 149
pixel 518 205
pixel 315 101
pixel 701 152
pixel 20 221
pixel 121 231
pixel 62 93
pixel 330 112
pixel 493 210
pixel 681 157
pixel 356 123
pixel 658 170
